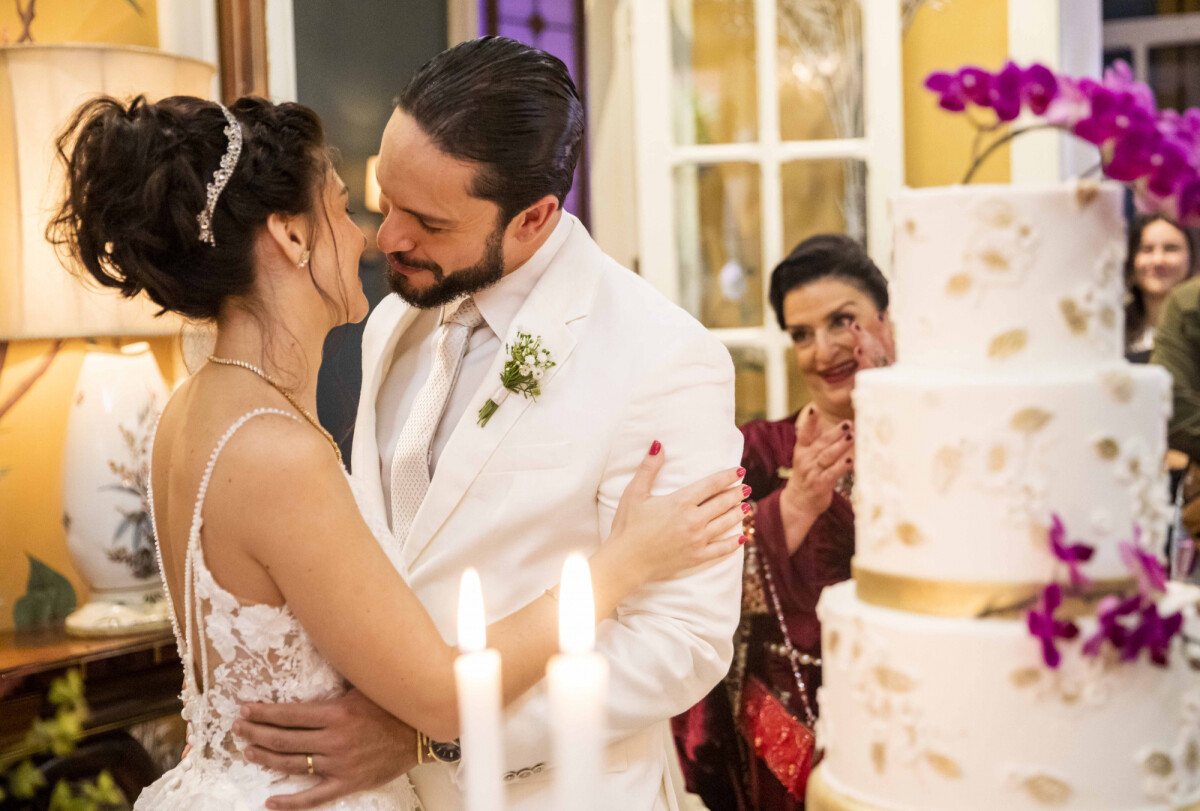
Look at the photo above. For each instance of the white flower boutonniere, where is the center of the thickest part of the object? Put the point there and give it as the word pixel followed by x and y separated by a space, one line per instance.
pixel 527 364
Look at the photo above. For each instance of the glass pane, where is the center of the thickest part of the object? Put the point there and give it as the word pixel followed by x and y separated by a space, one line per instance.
pixel 820 69
pixel 720 248
pixel 798 396
pixel 749 384
pixel 715 94
pixel 821 197
pixel 1175 76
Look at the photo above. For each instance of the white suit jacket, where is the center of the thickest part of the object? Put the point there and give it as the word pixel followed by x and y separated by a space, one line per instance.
pixel 542 479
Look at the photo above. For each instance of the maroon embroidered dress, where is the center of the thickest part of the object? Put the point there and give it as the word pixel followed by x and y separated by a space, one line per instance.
pixel 746 761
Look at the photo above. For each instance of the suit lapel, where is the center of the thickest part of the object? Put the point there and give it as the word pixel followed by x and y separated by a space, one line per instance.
pixel 564 294
pixel 395 320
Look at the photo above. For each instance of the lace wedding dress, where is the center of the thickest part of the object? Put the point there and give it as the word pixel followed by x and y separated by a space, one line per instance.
pixel 243 652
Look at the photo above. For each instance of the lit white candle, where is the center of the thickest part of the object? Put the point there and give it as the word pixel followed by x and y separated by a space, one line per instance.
pixel 578 685
pixel 477 675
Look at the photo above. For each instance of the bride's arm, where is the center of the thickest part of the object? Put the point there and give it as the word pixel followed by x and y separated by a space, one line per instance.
pixel 297 517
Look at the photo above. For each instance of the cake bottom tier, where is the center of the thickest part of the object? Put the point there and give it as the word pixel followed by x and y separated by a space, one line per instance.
pixel 922 713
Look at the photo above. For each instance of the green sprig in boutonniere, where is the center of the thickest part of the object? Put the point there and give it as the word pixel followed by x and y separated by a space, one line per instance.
pixel 527 364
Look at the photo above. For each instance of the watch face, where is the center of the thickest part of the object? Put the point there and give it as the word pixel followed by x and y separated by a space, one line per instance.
pixel 446 752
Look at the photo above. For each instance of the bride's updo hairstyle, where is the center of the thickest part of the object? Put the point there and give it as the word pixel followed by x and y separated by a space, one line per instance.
pixel 136 177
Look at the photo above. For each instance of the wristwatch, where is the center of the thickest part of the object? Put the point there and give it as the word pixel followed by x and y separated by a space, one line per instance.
pixel 431 751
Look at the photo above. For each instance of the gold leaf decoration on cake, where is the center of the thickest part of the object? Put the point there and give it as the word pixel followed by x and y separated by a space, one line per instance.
pixel 835 639
pixel 1159 764
pixel 943 765
pixel 1007 344
pixel 997 458
pixel 947 462
pixel 1086 194
pixel 1191 757
pixel 958 284
pixel 1046 789
pixel 910 225
pixel 908 534
pixel 876 511
pixel 1119 385
pixel 995 260
pixel 1025 677
pixel 1108 449
pixel 1077 319
pixel 879 755
pixel 893 680
pixel 1031 420
pixel 1108 317
pixel 997 213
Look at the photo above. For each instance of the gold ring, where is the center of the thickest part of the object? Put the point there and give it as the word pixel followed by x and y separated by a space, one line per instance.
pixel 311 770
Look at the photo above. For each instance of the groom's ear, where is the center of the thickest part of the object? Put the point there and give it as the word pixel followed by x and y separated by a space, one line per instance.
pixel 533 221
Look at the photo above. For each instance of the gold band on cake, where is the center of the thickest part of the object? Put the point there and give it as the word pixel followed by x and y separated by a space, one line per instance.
pixel 820 797
pixel 949 598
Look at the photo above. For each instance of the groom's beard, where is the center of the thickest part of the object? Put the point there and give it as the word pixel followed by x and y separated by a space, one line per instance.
pixel 448 287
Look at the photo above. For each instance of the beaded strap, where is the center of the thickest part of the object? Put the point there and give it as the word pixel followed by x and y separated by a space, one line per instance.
pixel 795 658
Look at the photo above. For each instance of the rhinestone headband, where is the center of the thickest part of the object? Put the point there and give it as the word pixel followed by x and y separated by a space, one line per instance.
pixel 233 132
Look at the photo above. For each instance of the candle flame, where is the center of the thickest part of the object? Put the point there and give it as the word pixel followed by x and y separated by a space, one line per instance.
pixel 576 607
pixel 472 626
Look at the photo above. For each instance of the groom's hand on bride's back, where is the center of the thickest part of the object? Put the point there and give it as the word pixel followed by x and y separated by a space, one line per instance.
pixel 354 745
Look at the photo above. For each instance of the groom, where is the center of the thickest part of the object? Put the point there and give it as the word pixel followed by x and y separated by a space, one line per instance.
pixel 473 168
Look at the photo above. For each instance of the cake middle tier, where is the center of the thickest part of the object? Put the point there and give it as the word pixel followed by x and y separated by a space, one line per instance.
pixel 958 477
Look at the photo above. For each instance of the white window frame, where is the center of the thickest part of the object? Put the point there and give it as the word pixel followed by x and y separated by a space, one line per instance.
pixel 1142 34
pixel 657 156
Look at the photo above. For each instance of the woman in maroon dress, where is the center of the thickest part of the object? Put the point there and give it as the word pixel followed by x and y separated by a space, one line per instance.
pixel 748 746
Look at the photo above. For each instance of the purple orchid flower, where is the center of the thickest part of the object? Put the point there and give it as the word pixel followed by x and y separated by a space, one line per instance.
pixel 977 85
pixel 1150 574
pixel 1074 555
pixel 1109 612
pixel 950 91
pixel 1154 633
pixel 1007 92
pixel 1043 625
pixel 1039 87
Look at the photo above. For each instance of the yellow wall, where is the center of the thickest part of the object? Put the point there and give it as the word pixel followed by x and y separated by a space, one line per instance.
pixel 33 433
pixel 938 143
pixel 113 21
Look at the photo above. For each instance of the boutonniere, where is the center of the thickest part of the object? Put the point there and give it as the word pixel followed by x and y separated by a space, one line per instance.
pixel 527 364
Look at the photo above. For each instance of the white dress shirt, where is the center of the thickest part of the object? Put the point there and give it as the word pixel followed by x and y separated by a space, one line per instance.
pixel 413 359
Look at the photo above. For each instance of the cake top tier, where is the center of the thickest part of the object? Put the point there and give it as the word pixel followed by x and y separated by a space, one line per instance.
pixel 1009 278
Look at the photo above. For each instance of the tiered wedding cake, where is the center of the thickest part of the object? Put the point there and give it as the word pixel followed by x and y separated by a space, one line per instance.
pixel 1010 404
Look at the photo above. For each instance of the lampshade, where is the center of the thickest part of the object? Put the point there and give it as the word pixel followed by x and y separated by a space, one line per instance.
pixel 372 195
pixel 40 87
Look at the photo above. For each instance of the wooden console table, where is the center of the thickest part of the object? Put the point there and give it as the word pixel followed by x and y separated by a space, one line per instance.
pixel 127 680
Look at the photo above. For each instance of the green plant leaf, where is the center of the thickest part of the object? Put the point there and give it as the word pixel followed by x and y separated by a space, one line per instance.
pixel 49 597
pixel 25 780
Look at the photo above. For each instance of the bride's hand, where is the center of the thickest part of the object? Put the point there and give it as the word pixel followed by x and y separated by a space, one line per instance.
pixel 667 535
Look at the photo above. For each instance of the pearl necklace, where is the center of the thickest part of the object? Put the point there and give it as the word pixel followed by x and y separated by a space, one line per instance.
pixel 241 364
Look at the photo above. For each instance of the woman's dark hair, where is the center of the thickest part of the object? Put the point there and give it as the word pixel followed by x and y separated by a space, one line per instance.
pixel 136 177
pixel 1135 305
pixel 510 108
pixel 826 256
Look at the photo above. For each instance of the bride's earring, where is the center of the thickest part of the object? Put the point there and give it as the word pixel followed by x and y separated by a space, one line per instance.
pixel 303 259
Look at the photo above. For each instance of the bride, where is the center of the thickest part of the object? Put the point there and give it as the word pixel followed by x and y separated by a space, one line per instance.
pixel 280 585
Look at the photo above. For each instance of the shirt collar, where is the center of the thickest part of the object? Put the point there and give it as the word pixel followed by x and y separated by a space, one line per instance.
pixel 500 303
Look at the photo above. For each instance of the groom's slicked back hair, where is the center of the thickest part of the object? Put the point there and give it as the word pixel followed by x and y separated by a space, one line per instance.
pixel 511 108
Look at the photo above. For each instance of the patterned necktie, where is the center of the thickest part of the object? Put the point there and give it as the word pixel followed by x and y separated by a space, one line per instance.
pixel 410 465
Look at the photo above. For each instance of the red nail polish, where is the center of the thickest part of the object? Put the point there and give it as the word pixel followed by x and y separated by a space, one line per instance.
pixel 741 471
pixel 746 508
pixel 742 541
pixel 745 490
pixel 845 426
pixel 655 448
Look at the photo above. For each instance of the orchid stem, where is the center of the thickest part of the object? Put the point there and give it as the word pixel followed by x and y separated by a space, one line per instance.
pixel 999 142
pixel 1095 170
